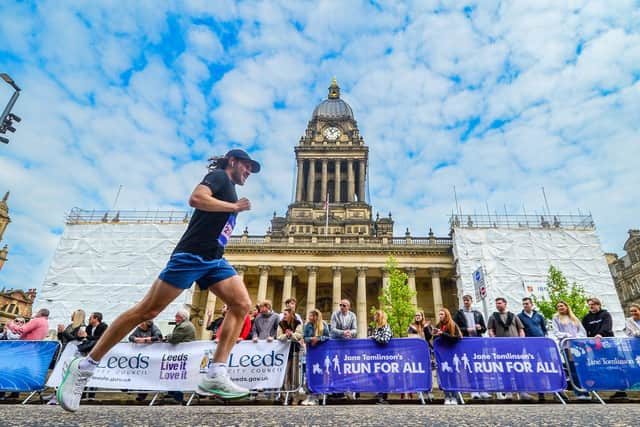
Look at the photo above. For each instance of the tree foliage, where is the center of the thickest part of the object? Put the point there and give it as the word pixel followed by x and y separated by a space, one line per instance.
pixel 395 300
pixel 559 289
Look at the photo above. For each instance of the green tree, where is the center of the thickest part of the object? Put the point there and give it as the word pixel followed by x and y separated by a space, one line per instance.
pixel 559 289
pixel 396 300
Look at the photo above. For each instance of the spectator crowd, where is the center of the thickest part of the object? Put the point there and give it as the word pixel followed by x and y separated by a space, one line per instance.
pixel 265 324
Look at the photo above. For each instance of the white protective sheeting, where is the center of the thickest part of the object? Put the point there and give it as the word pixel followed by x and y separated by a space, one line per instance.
pixel 516 263
pixel 108 267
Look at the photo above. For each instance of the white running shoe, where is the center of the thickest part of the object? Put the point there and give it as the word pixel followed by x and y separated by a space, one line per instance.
pixel 221 385
pixel 73 383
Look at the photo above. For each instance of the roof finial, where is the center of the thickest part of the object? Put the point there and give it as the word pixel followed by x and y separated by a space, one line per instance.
pixel 334 89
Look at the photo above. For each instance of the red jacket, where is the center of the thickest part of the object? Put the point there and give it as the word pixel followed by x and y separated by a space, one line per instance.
pixel 244 333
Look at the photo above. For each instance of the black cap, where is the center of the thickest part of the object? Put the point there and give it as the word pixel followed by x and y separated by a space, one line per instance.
pixel 242 155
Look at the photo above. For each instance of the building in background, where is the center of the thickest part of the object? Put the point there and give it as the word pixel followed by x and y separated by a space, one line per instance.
pixel 626 271
pixel 329 245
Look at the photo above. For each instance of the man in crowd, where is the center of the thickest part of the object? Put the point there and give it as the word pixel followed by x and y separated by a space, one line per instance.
pixel 344 324
pixel 504 323
pixel 213 325
pixel 535 325
pixel 598 323
pixel 37 328
pixel 291 303
pixel 90 336
pixel 471 324
pixel 265 325
pixel 184 331
pixel 146 332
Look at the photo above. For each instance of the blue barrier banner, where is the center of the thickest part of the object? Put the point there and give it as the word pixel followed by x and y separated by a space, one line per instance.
pixel 403 365
pixel 24 364
pixel 500 364
pixel 606 363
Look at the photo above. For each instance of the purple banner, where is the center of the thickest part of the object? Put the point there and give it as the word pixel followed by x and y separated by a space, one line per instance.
pixel 500 364
pixel 337 366
pixel 606 363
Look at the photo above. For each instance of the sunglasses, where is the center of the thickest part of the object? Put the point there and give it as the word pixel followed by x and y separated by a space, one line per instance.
pixel 418 315
pixel 343 305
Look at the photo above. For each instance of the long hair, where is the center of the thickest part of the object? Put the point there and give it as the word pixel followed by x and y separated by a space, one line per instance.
pixel 569 315
pixel 318 327
pixel 382 318
pixel 422 322
pixel 448 324
pixel 77 318
pixel 217 162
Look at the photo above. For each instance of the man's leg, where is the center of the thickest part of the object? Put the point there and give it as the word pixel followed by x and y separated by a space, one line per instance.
pixel 80 370
pixel 233 293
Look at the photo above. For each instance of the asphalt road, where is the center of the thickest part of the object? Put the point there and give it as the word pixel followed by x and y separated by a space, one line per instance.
pixel 338 415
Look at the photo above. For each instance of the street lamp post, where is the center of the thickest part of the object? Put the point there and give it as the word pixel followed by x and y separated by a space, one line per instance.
pixel 7 118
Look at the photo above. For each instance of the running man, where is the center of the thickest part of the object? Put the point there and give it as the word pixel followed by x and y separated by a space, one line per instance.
pixel 197 258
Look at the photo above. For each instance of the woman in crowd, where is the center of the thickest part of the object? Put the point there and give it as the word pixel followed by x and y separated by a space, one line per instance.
pixel 416 328
pixel 316 331
pixel 566 325
pixel 70 333
pixel 290 329
pixel 632 325
pixel 447 330
pixel 382 334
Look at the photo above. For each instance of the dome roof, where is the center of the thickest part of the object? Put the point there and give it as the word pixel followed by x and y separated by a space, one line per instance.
pixel 333 107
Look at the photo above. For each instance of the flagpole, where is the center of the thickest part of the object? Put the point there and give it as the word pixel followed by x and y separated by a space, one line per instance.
pixel 326 224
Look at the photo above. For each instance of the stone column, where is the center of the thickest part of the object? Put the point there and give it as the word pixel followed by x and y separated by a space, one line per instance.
pixel 385 278
pixel 336 182
pixel 337 287
pixel 240 269
pixel 411 272
pixel 262 283
pixel 286 286
pixel 362 177
pixel 323 184
pixel 361 304
pixel 311 287
pixel 300 182
pixel 437 290
pixel 311 180
pixel 350 181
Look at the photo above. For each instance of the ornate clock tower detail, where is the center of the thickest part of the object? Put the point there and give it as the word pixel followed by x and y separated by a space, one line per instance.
pixel 332 163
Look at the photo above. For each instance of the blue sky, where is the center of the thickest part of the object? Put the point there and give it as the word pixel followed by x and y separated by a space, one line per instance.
pixel 496 98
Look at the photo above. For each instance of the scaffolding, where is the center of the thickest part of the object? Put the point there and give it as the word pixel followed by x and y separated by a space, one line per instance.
pixel 570 222
pixel 82 216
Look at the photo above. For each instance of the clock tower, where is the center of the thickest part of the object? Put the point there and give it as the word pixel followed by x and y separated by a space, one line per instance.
pixel 331 185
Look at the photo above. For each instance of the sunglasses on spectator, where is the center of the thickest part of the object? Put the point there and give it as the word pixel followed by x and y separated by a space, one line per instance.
pixel 343 305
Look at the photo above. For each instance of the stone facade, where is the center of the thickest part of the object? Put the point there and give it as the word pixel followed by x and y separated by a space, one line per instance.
pixel 328 246
pixel 626 271
pixel 16 303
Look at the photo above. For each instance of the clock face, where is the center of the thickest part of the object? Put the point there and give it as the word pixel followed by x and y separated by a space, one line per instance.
pixel 331 133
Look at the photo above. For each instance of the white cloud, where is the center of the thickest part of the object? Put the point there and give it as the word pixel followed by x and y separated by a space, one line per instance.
pixel 546 94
